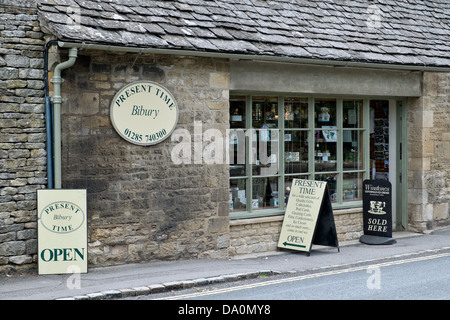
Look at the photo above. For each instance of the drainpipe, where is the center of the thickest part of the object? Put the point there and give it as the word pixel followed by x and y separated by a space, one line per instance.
pixel 57 100
pixel 48 117
pixel 48 125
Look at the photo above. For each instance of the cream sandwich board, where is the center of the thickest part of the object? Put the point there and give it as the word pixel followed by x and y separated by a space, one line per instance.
pixel 309 217
pixel 62 231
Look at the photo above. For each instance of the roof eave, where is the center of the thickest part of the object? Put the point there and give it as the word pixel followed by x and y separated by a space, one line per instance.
pixel 242 56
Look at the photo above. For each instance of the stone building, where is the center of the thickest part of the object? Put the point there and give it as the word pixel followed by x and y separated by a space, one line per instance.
pixel 348 91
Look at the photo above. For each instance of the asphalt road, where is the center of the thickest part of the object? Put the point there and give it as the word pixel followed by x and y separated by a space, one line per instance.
pixel 418 278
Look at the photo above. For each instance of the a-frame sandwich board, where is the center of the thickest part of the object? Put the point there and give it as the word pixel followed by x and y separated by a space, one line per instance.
pixel 309 217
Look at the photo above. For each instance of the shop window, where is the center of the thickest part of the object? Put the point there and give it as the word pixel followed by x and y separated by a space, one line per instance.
pixel 276 139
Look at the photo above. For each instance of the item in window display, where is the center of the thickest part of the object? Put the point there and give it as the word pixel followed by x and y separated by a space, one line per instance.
pixel 241 196
pixel 288 114
pixel 349 189
pixel 379 131
pixel 324 116
pixel 269 115
pixel 381 176
pixel 255 203
pixel 380 147
pixel 379 155
pixel 330 134
pixel 292 156
pixel 258 113
pixel 318 137
pixel 264 134
pixel 274 199
pixel 351 116
pixel 236 116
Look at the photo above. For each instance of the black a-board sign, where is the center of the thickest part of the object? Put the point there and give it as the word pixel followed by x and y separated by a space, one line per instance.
pixel 377 212
pixel 309 217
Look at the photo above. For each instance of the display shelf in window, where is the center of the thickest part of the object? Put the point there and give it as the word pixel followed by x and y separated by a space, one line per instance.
pixel 265 113
pixel 296 113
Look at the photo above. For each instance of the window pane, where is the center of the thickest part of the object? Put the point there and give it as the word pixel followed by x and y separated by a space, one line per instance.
pixel 352 186
pixel 265 193
pixel 352 113
pixel 264 148
pixel 353 149
pixel 296 113
pixel 295 151
pixel 331 180
pixel 325 151
pixel 265 112
pixel 237 112
pixel 238 197
pixel 325 112
pixel 237 151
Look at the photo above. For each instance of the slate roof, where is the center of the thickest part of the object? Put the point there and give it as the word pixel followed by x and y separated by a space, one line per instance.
pixel 400 32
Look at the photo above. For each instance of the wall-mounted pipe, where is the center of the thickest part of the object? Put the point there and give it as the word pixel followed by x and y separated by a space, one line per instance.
pixel 57 100
pixel 48 117
pixel 48 124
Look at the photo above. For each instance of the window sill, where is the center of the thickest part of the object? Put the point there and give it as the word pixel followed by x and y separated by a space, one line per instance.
pixel 348 208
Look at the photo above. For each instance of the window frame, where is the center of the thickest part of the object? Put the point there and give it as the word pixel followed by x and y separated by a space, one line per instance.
pixel 311 173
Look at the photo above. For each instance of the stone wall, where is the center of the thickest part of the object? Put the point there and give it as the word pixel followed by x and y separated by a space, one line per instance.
pixel 259 235
pixel 429 154
pixel 141 205
pixel 349 224
pixel 22 133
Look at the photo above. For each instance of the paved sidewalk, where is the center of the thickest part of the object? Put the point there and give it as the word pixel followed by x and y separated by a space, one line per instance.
pixel 137 279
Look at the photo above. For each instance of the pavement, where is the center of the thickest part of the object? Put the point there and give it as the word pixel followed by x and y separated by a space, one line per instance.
pixel 152 277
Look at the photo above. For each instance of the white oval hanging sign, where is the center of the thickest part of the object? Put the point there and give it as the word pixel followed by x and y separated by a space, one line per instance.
pixel 144 113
